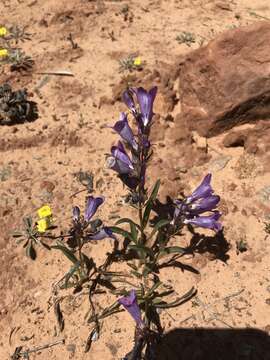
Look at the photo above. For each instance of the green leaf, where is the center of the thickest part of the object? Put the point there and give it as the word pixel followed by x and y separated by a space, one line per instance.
pixel 28 222
pixel 149 204
pixel 128 221
pixel 142 249
pixel 154 191
pixel 146 271
pixel 134 232
pixel 158 226
pixel 171 250
pixel 153 288
pixel 136 273
pixel 146 213
pixel 122 232
pixel 69 274
pixel 30 251
pixel 110 310
pixel 17 234
pixel 59 316
pixel 157 300
pixel 133 266
pixel 178 301
pixel 68 253
pixel 133 227
pixel 45 245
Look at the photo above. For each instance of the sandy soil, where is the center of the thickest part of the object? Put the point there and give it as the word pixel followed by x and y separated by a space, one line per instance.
pixel 69 135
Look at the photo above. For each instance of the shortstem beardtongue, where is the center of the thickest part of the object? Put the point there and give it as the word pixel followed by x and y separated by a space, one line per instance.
pixel 200 201
pixel 145 100
pixel 131 305
pixel 120 161
pixel 124 130
pixel 91 206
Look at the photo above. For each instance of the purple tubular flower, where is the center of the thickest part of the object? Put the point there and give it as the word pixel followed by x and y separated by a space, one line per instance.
pixel 130 304
pixel 92 206
pixel 128 100
pixel 203 190
pixel 146 101
pixel 200 201
pixel 209 222
pixel 76 213
pixel 103 233
pixel 206 204
pixel 120 161
pixel 130 181
pixel 123 129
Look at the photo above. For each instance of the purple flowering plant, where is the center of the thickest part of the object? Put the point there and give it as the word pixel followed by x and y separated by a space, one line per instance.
pixel 146 247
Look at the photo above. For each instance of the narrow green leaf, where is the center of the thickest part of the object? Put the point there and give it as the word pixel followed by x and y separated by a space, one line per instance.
pixel 154 191
pixel 153 288
pixel 134 232
pixel 128 221
pixel 136 273
pixel 122 232
pixel 157 300
pixel 30 251
pixel 134 267
pixel 70 273
pixel 149 203
pixel 146 271
pixel 171 250
pixel 45 245
pixel 146 213
pixel 158 226
pixel 17 234
pixel 28 222
pixel 143 249
pixel 68 253
pixel 133 227
pixel 59 316
pixel 178 301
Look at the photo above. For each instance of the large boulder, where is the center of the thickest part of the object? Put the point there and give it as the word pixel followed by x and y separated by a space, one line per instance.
pixel 227 82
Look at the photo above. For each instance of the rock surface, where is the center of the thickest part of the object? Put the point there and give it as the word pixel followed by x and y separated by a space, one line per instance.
pixel 227 83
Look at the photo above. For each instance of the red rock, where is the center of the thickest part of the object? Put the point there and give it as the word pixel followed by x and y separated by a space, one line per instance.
pixel 227 83
pixel 47 185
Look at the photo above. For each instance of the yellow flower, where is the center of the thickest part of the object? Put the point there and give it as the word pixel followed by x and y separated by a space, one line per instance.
pixel 3 31
pixel 137 61
pixel 3 53
pixel 43 224
pixel 44 211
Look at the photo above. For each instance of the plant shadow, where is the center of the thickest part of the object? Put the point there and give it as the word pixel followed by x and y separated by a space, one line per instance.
pixel 216 245
pixel 214 344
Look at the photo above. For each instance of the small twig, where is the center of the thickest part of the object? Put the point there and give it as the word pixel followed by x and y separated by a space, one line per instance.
pixel 13 330
pixel 26 353
pixel 258 15
pixel 77 192
pixel 73 43
pixel 206 307
pixel 57 72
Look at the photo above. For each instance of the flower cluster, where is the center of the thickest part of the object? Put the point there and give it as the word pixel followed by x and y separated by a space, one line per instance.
pixel 45 218
pixel 131 168
pixel 3 31
pixel 189 210
pixel 94 229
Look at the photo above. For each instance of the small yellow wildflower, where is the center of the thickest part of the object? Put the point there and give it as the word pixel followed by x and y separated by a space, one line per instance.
pixel 3 53
pixel 3 31
pixel 137 61
pixel 43 224
pixel 44 211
